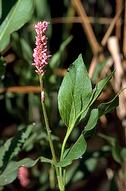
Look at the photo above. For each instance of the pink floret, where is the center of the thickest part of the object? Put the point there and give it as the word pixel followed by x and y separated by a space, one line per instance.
pixel 40 53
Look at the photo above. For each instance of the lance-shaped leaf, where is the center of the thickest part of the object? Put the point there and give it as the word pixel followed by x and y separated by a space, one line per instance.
pixel 76 152
pixel 10 172
pixel 115 147
pixel 13 146
pixel 75 93
pixel 123 154
pixel 15 19
pixel 56 58
pixel 100 86
pixel 92 121
pixel 107 107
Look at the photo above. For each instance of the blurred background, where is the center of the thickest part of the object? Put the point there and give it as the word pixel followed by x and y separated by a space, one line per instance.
pixel 97 30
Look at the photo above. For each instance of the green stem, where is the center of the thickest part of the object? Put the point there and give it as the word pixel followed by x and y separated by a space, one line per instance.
pixel 47 123
pixel 61 171
pixel 64 142
pixel 59 177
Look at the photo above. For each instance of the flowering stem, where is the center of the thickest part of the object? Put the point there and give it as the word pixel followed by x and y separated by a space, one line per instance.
pixel 59 176
pixel 46 122
pixel 41 56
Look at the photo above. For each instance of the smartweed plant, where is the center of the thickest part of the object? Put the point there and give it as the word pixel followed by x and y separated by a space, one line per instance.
pixel 76 103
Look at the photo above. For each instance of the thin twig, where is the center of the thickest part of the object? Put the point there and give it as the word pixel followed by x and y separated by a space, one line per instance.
pixel 92 66
pixel 92 20
pixel 124 34
pixel 110 29
pixel 124 52
pixel 30 89
pixel 113 46
pixel 96 48
pixel 118 25
pixel 60 71
pixel 21 89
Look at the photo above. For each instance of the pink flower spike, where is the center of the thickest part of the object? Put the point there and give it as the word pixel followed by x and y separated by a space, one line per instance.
pixel 40 53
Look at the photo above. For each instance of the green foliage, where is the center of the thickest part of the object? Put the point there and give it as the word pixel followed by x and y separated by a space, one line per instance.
pixel 13 146
pixel 100 86
pixel 107 107
pixel 76 151
pixel 41 9
pixel 57 58
pixel 22 48
pixel 9 150
pixel 98 69
pixel 75 93
pixel 75 100
pixel 15 19
pixel 123 154
pixel 10 172
pixel 115 148
pixel 54 62
pixel 92 121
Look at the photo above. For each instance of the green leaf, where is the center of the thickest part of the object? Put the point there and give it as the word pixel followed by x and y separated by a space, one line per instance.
pixel 100 86
pixel 92 120
pixel 71 171
pixel 75 93
pixel 91 164
pixel 10 173
pixel 107 107
pixel 13 146
pixel 56 58
pixel 41 7
pixel 21 46
pixel 115 148
pixel 116 153
pixel 26 50
pixel 16 18
pixel 77 150
pixel 123 154
pixel 3 150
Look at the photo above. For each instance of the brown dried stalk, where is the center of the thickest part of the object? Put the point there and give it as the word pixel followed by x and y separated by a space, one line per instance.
pixel 118 23
pixel 92 66
pixel 96 48
pixel 21 89
pixel 124 34
pixel 113 47
pixel 110 29
pixel 92 20
pixel 120 83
